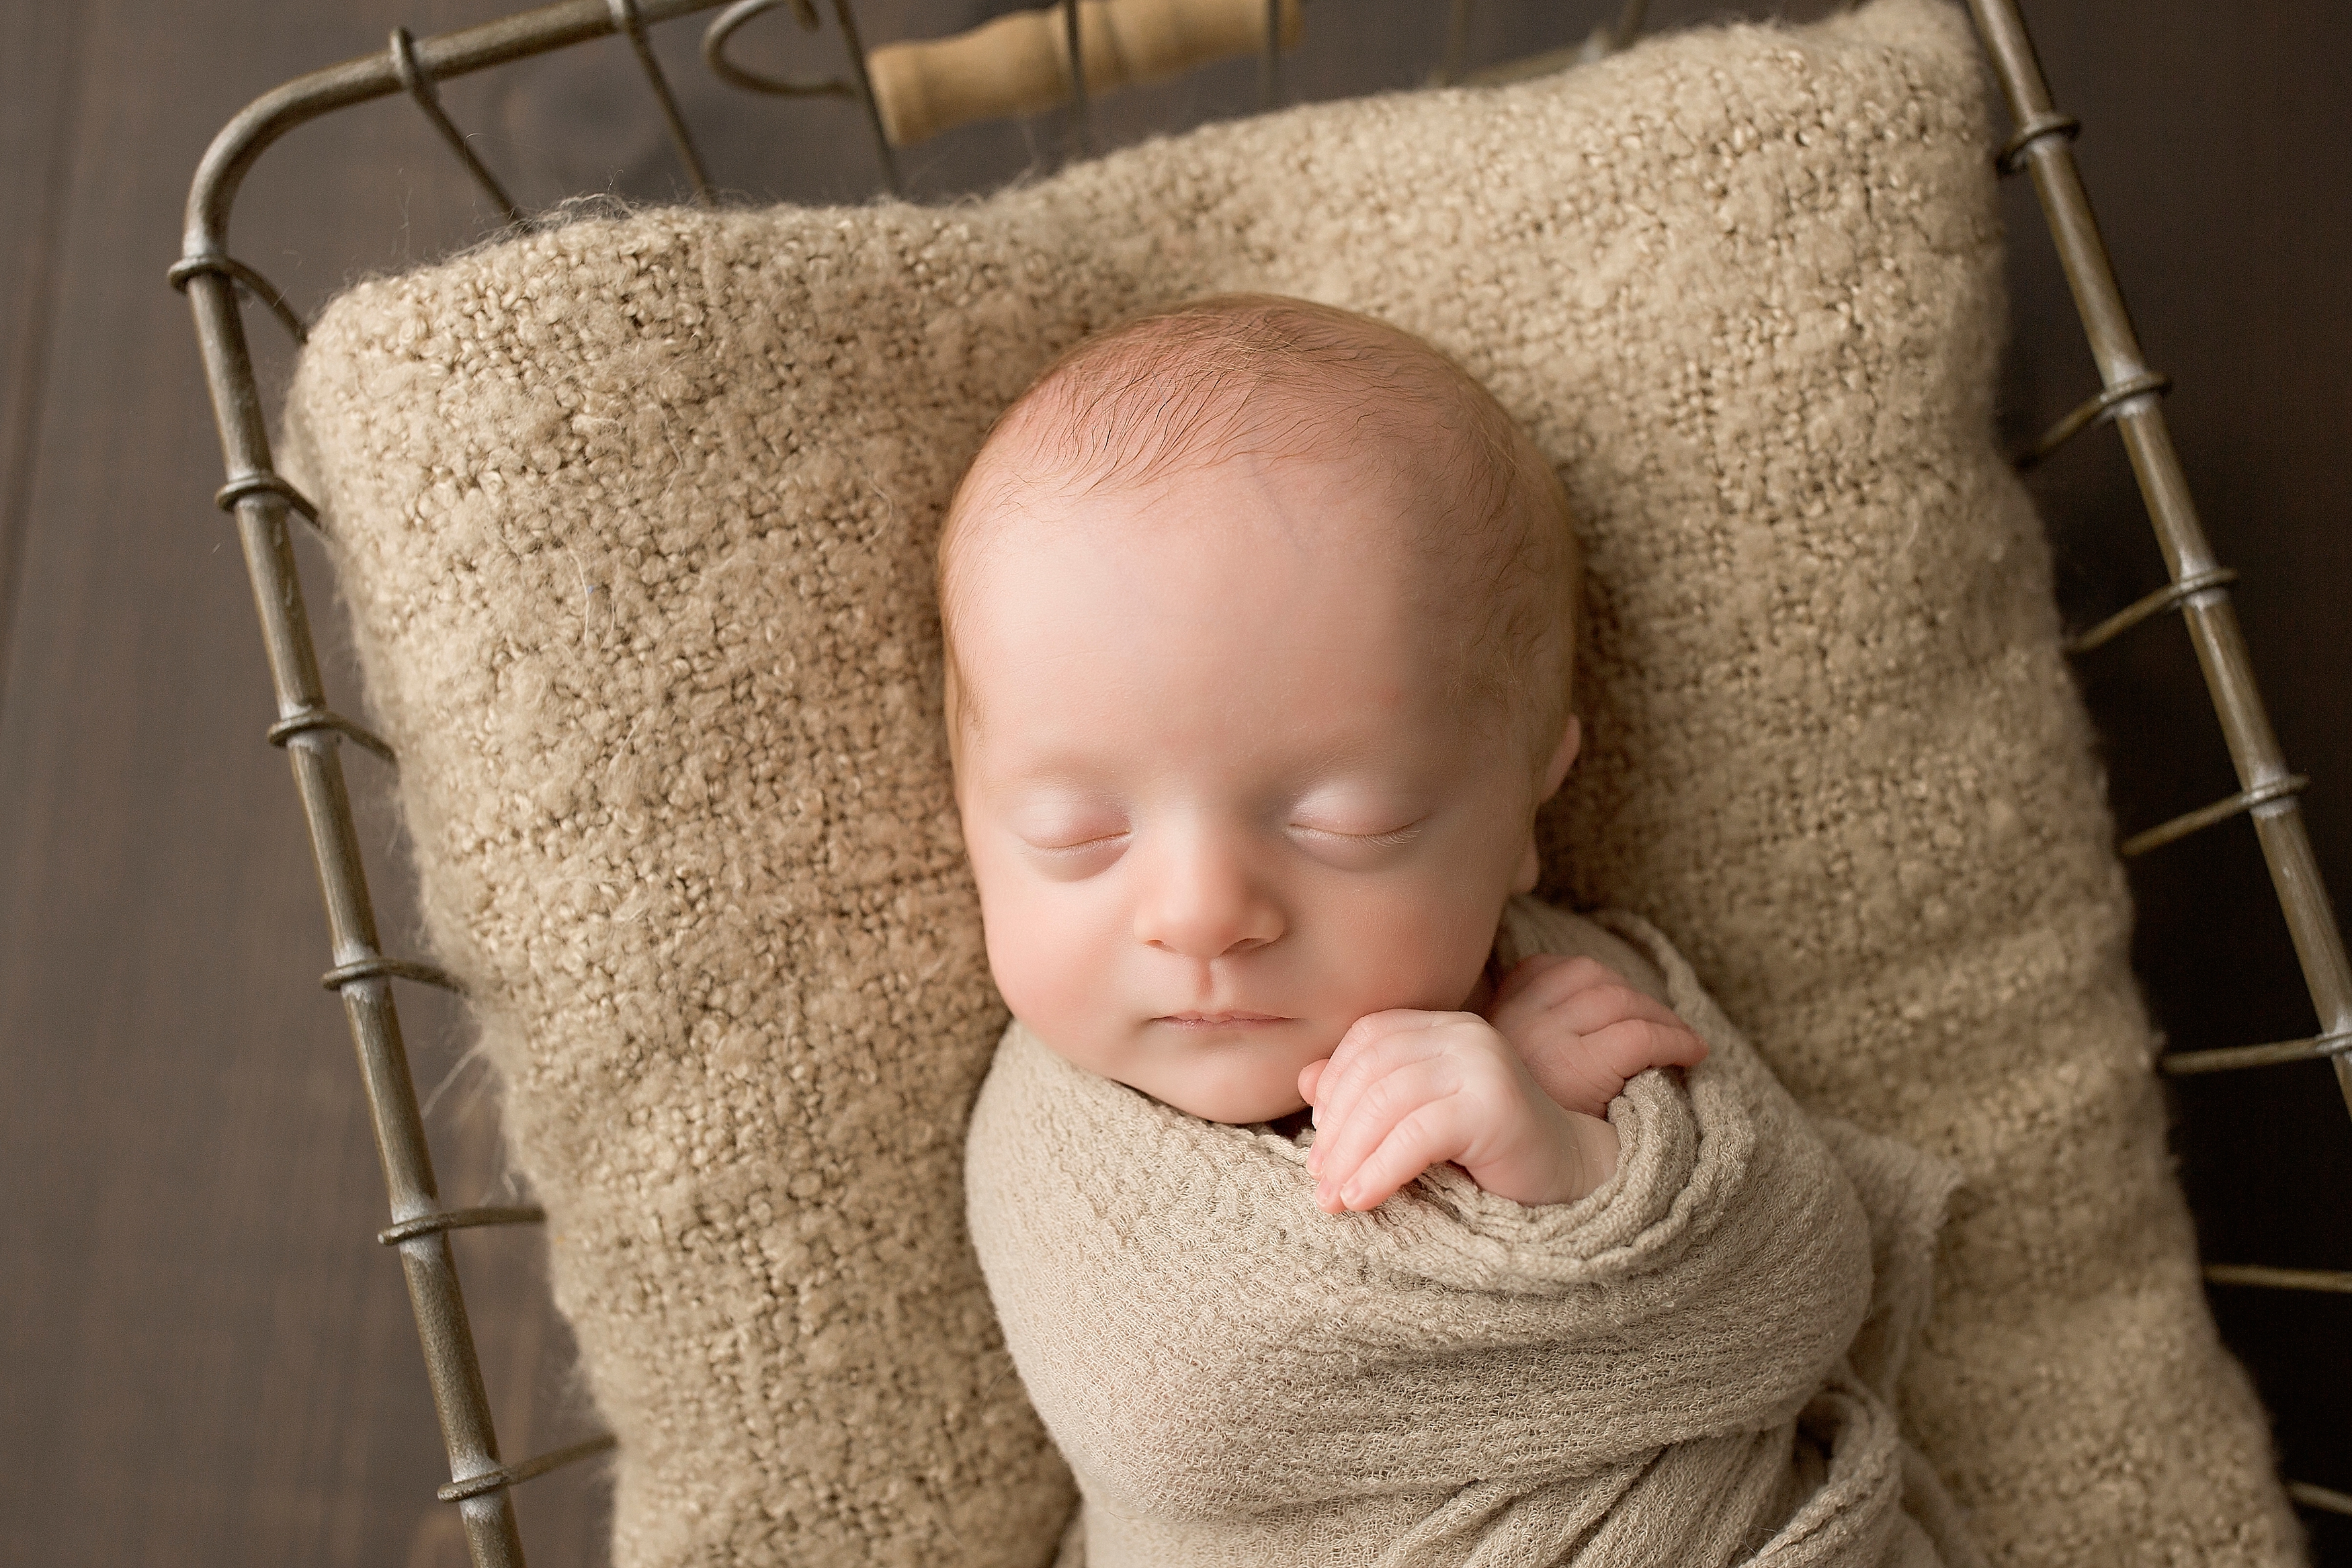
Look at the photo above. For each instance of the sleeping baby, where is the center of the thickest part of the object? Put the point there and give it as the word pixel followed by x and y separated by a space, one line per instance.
pixel 1332 1194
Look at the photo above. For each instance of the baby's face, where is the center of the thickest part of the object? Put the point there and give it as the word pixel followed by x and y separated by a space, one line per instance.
pixel 1218 796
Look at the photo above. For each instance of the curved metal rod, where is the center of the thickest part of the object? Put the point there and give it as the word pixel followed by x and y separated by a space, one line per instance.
pixel 461 1220
pixel 252 282
pixel 1456 58
pixel 312 720
pixel 513 1475
pixel 723 27
pixel 1082 108
pixel 2139 610
pixel 382 968
pixel 419 86
pixel 2188 822
pixel 1269 59
pixel 625 22
pixel 262 482
pixel 2231 1058
pixel 847 16
pixel 222 170
pixel 2325 1498
pixel 2097 409
pixel 2335 1281
pixel 1610 37
pixel 2148 605
pixel 2040 125
pixel 1629 23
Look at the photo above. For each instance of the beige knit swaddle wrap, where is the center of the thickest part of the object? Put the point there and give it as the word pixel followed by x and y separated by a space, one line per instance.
pixel 1687 1367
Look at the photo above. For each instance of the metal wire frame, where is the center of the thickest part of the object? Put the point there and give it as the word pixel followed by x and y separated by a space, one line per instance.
pixel 1081 112
pixel 310 731
pixel 860 87
pixel 2130 398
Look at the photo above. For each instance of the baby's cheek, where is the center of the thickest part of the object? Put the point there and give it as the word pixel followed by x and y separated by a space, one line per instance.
pixel 1041 960
pixel 1419 949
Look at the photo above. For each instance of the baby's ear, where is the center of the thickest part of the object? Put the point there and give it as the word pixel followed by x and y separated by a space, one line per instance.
pixel 1562 759
pixel 1531 869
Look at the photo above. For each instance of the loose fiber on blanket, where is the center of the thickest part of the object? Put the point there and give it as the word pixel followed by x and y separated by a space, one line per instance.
pixel 1657 1374
pixel 634 518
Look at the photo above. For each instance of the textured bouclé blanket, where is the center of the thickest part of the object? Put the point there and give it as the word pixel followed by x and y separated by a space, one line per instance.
pixel 1690 1366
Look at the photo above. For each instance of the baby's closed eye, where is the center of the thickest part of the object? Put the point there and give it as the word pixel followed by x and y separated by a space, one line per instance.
pixel 1056 817
pixel 1380 836
pixel 1354 846
pixel 1071 838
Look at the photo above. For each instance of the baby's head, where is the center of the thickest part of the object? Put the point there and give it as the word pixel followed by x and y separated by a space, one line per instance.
pixel 1260 617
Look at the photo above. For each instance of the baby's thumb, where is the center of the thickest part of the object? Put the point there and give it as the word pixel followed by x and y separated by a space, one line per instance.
pixel 1310 1076
pixel 1523 975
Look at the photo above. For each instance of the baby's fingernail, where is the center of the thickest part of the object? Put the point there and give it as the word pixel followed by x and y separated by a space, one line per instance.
pixel 1349 1193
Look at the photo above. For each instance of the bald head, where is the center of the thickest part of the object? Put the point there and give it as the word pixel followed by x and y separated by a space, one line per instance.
pixel 1265 380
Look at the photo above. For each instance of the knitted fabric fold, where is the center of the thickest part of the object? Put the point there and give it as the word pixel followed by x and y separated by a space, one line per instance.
pixel 1673 1369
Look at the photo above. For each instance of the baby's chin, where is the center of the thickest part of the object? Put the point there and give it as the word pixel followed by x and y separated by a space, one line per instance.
pixel 1237 1092
pixel 1222 1080
pixel 1239 1108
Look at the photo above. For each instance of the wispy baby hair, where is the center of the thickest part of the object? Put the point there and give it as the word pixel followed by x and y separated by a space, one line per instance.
pixel 1187 386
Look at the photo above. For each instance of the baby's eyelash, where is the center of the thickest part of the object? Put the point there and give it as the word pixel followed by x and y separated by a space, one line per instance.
pixel 1393 837
pixel 1096 842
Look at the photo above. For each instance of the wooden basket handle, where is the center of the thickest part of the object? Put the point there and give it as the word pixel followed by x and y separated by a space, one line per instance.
pixel 1020 64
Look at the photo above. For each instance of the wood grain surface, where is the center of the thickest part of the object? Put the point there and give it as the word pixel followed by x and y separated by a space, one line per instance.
pixel 203 1356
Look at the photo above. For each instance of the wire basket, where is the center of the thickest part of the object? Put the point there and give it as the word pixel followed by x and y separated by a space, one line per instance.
pixel 310 730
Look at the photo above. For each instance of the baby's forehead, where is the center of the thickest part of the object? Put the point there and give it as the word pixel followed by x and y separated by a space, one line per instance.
pixel 1308 442
pixel 1284 571
pixel 1171 420
pixel 1208 517
pixel 1329 470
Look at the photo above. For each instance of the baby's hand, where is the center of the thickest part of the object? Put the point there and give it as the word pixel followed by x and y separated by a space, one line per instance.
pixel 1405 1091
pixel 1583 1031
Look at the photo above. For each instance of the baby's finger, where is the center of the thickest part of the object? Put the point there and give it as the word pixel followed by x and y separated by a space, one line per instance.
pixel 1548 987
pixel 1310 1076
pixel 1593 1010
pixel 1375 1114
pixel 1524 974
pixel 1373 1045
pixel 1634 1045
pixel 1378 1046
pixel 1432 1132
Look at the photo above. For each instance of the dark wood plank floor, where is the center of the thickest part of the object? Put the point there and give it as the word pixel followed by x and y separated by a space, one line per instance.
pixel 204 1359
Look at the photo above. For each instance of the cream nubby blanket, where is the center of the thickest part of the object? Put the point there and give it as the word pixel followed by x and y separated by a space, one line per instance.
pixel 1692 1366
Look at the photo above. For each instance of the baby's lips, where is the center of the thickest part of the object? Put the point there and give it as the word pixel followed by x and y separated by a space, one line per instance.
pixel 1222 1015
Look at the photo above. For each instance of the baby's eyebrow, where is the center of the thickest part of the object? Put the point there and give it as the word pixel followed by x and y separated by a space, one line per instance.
pixel 1052 774
pixel 1356 755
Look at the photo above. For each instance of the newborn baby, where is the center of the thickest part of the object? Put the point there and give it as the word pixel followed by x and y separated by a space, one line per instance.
pixel 1259 629
pixel 1259 618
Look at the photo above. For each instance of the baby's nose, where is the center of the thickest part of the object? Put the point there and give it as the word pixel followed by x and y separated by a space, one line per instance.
pixel 1206 906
